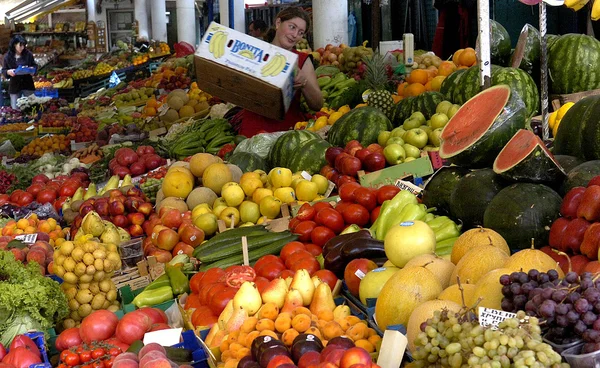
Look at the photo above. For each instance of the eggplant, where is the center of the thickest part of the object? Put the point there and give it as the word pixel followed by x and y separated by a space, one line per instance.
pixel 332 251
pixel 363 248
pixel 337 241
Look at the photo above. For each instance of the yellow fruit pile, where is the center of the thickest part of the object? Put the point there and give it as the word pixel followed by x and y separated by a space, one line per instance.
pixel 102 68
pixel 322 121
pixel 140 59
pixel 39 146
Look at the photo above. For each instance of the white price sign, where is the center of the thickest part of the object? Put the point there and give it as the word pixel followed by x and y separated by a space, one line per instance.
pixel 493 317
pixel 27 238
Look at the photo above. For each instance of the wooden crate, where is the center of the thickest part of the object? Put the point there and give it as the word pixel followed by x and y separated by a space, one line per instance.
pixel 559 100
pixel 136 277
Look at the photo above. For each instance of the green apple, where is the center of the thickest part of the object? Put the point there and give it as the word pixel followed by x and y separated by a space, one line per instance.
pixel 419 116
pixel 443 107
pixel 395 140
pixel 428 123
pixel 398 132
pixel 439 120
pixel 431 149
pixel 452 111
pixel 411 151
pixel 409 159
pixel 411 123
pixel 394 154
pixel 434 137
pixel 426 129
pixel 417 137
pixel 383 137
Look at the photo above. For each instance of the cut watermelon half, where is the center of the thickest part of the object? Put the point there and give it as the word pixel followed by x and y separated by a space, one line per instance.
pixel 526 158
pixel 482 126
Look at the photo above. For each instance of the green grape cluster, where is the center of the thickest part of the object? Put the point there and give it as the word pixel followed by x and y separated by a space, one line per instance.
pixel 455 340
pixel 150 187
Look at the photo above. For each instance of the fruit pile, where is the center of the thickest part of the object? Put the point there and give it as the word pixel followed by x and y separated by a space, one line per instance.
pixel 345 163
pixel 133 96
pixel 42 84
pixel 170 80
pixel 84 130
pixel 150 187
pixel 15 127
pixel 330 54
pixel 139 59
pixel 48 144
pixel 134 163
pixel 41 252
pixel 351 60
pixel 90 154
pixel 303 46
pixel 82 73
pixel 57 120
pixel 102 68
pixel 86 267
pixel 182 105
pixel 47 230
pixel 464 58
pixel 55 191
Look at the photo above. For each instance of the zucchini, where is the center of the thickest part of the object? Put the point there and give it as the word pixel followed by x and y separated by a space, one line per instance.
pixel 135 347
pixel 253 255
pixel 208 248
pixel 236 246
pixel 178 355
pixel 227 237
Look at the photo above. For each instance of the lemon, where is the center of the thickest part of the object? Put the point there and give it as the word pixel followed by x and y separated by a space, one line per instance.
pixel 320 123
pixel 280 177
pixel 322 183
pixel 334 117
pixel 552 119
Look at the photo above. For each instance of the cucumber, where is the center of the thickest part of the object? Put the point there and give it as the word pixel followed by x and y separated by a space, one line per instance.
pixel 235 248
pixel 135 346
pixel 178 355
pixel 226 238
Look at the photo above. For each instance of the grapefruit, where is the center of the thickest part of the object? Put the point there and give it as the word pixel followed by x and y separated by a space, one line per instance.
pixel 474 237
pixel 215 176
pixel 200 161
pixel 411 285
pixel 177 184
pixel 372 283
pixel 489 289
pixel 477 262
pixel 407 240
pixel 182 169
pixel 441 268
pixel 422 313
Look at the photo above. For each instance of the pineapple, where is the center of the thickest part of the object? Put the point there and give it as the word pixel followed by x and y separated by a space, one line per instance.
pixel 376 77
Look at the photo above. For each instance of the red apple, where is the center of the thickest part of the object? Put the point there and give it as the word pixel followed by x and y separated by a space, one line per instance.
pixel 355 271
pixel 131 205
pixel 375 161
pixel 332 153
pixel 352 145
pixel 192 235
pixel 593 267
pixel 116 208
pixel 362 153
pixel 155 230
pixel 101 207
pixel 374 147
pixel 136 230
pixel 115 193
pixel 136 218
pixel 350 166
pixel 309 358
pixel 578 263
pixel 355 355
pixel 171 217
pixel 167 239
pixel 187 215
pixel 120 221
pixel 183 248
pixel 145 208
pixel 333 356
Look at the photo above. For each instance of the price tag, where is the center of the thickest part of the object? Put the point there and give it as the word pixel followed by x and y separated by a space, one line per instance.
pixel 306 175
pixel 493 317
pixel 330 188
pixel 407 185
pixel 27 238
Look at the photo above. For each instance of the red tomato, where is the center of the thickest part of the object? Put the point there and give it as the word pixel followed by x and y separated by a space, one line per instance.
pixel 320 235
pixel 366 197
pixel 213 275
pixel 270 271
pixel 309 264
pixel 214 290
pixel 320 205
pixel 25 199
pixel 195 282
pixel 330 218
pixel 203 295
pixel 270 258
pixel 375 213
pixel 68 189
pixel 108 363
pixel 64 353
pixel 343 179
pixel 327 276
pixel 85 356
pixel 59 203
pixel 346 191
pixel 261 283
pixel 296 256
pixel 97 353
pixel 71 359
pixel 356 214
pixel 99 325
pixel 46 196
pixel 290 248
pixel 68 338
pixel 133 326
pixel 237 275
pixel 341 205
pixel 293 223
pixel 286 273
pixel 386 192
pixel 306 212
pixel 114 351
pixel 220 300
pixel 305 228
pixel 35 188
pixel 203 316
pixel 14 196
pixel 97 364
pixel 313 249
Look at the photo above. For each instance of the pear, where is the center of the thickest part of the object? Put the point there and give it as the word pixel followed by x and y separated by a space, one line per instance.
pixel 275 292
pixel 322 300
pixel 288 281
pixel 92 224
pixel 293 300
pixel 303 283
pixel 211 335
pixel 247 298
pixel 218 339
pixel 237 319
pixel 341 311
pixel 225 315
pixel 316 281
pixel 110 235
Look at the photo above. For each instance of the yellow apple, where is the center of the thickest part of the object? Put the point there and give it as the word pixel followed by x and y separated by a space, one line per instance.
pixel 322 183
pixel 270 206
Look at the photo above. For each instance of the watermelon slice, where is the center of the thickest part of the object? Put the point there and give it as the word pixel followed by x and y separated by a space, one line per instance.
pixel 482 126
pixel 526 158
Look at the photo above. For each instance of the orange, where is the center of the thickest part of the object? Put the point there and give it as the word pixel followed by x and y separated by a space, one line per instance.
pixel 414 89
pixel 418 76
pixel 396 98
pixel 436 83
pixel 152 102
pixel 428 86
pixel 150 111
pixel 468 57
pixel 22 224
pixel 401 87
pixel 456 56
pixel 446 68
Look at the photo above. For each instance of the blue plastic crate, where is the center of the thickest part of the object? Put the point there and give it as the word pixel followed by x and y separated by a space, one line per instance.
pixel 190 342
pixel 40 341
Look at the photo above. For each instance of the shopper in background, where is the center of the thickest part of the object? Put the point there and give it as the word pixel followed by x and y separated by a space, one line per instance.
pixel 18 55
pixel 291 26
pixel 257 28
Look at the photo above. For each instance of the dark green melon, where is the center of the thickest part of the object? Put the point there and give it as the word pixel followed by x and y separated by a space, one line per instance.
pixel 450 84
pixel 500 45
pixel 469 84
pixel 520 83
pixel 440 186
pixel 426 103
pixel 362 124
pixel 279 154
pixel 567 162
pixel 525 158
pixel 579 130
pixel 573 64
pixel 402 111
pixel 527 52
pixel 482 126
pixel 248 161
pixel 309 157
pixel 472 194
pixel 522 212
pixel 581 175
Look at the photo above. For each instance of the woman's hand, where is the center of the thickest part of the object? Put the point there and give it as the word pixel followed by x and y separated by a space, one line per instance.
pixel 306 80
pixel 11 72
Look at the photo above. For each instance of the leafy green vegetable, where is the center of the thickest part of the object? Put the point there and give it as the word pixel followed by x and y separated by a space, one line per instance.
pixel 28 300
pixel 17 141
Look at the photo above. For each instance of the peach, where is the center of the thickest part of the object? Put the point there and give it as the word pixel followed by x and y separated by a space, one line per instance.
pixel 279 360
pixel 157 363
pixel 309 358
pixel 333 355
pixel 171 217
pixel 326 365
pixel 151 355
pixel 355 356
pixel 37 255
pixel 151 347
pixel 19 254
pixel 125 363
pixel 126 355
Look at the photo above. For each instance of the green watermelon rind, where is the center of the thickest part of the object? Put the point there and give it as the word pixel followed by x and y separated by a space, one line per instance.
pixel 530 208
pixel 427 103
pixel 310 156
pixel 567 162
pixel 483 151
pixel 521 83
pixel 439 188
pixel 581 175
pixel 362 124
pixel 481 186
pixel 279 154
pixel 529 40
pixel 569 138
pixel 449 84
pixel 500 45
pixel 402 111
pixel 573 64
pixel 248 161
pixel 537 167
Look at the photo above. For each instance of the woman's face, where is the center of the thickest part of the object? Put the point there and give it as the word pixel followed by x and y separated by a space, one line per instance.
pixel 19 47
pixel 290 32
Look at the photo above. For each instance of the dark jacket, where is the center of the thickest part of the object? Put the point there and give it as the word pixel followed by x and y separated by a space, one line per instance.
pixel 19 83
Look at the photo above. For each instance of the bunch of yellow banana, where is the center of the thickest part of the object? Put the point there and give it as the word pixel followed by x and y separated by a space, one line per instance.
pixel 575 4
pixel 65 83
pixel 596 10
pixel 274 66
pixel 216 45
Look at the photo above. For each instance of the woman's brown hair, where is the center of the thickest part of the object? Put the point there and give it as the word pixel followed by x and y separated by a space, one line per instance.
pixel 288 13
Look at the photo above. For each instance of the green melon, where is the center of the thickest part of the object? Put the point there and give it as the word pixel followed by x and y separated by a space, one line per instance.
pixel 567 162
pixel 309 157
pixel 450 83
pixel 527 52
pixel 279 154
pixel 573 64
pixel 362 124
pixel 439 187
pixel 581 175
pixel 402 111
pixel 579 130
pixel 520 83
pixel 248 161
pixel 500 45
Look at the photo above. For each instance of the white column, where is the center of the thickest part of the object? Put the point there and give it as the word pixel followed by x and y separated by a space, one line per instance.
pixel 330 22
pixel 140 9
pixel 159 19
pixel 186 21
pixel 239 15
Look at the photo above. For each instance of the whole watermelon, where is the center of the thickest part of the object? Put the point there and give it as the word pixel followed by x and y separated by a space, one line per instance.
pixel 527 52
pixel 468 85
pixel 426 103
pixel 362 124
pixel 500 45
pixel 520 83
pixel 450 83
pixel 248 161
pixel 579 130
pixel 573 64
pixel 402 111
pixel 310 156
pixel 279 154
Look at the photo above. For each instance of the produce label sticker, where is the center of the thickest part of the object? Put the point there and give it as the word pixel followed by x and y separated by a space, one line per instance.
pixel 306 175
pixel 27 238
pixel 163 109
pixel 407 185
pixel 330 188
pixel 493 317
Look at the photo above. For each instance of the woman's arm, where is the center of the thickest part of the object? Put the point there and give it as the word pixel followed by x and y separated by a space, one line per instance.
pixel 310 90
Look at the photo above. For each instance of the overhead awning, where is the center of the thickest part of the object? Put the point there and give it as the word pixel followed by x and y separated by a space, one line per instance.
pixel 35 8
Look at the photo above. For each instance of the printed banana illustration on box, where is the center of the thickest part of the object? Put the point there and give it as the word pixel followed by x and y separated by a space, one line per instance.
pixel 217 44
pixel 576 4
pixel 274 66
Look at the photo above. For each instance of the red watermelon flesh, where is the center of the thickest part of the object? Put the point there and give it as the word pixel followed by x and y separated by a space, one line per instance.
pixel 526 158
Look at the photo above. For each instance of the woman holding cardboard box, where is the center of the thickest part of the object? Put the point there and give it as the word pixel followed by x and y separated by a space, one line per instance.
pixel 291 25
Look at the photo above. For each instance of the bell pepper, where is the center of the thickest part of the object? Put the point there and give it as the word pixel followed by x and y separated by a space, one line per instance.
pixel 557 232
pixel 162 280
pixel 179 281
pixel 225 150
pixel 449 230
pixel 589 208
pixel 444 247
pixel 350 229
pixel 571 202
pixel 153 297
pixel 438 222
pixel 574 233
pixel 389 211
pixel 428 217
pixel 410 212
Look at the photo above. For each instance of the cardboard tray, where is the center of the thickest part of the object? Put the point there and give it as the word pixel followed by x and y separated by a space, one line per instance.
pixel 559 100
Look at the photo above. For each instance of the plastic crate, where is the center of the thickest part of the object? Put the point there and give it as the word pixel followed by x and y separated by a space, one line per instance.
pixel 190 342
pixel 46 92
pixel 40 341
pixel 131 253
pixel 576 359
